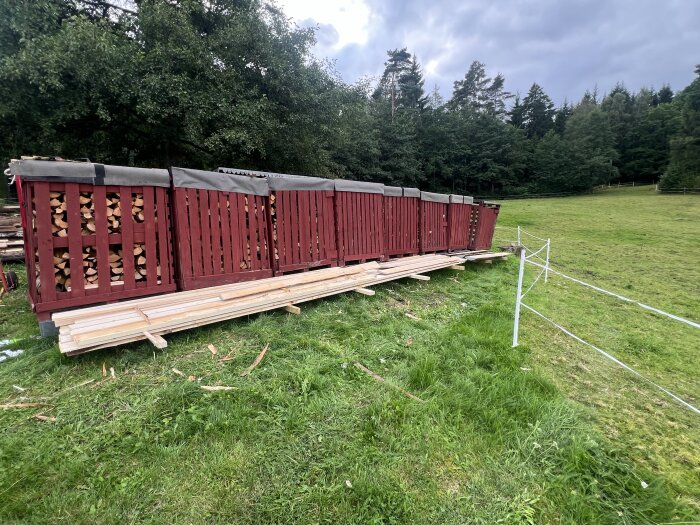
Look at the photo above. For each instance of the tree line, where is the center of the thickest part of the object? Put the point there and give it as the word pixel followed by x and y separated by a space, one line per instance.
pixel 233 83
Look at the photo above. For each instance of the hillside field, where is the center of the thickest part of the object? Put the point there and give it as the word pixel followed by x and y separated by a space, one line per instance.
pixel 549 432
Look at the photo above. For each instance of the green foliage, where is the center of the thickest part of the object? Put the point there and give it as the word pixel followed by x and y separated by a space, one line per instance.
pixel 231 82
pixel 684 167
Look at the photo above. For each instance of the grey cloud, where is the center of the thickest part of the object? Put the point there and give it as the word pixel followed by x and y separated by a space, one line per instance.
pixel 565 46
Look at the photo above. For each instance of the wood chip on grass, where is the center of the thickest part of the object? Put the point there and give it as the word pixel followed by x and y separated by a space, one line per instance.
pixel 256 362
pixel 22 405
pixel 382 380
pixel 212 349
pixel 215 388
pixel 42 417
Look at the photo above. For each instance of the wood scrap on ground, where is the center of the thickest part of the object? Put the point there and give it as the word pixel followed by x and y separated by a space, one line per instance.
pixel 256 362
pixel 216 388
pixel 42 417
pixel 212 349
pixel 382 380
pixel 22 405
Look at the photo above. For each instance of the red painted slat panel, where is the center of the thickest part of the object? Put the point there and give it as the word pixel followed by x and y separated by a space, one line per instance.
pixel 236 231
pixel 313 227
pixel 304 227
pixel 205 231
pixel 215 217
pixel 75 240
pixel 149 220
pixel 127 239
pixel 226 247
pixel 44 242
pixel 195 230
pixel 101 240
pixel 163 226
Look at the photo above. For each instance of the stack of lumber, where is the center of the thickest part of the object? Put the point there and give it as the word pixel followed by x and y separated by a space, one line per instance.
pixel 150 318
pixel 11 243
pixel 63 273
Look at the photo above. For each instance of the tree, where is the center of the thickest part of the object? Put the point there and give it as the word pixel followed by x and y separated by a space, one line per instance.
pixel 665 94
pixel 684 166
pixel 561 117
pixel 537 112
pixel 591 149
pixel 619 107
pixel 402 82
pixel 480 93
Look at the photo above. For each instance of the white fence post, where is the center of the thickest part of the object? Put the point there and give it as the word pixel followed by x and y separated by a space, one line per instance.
pixel 546 264
pixel 519 243
pixel 518 297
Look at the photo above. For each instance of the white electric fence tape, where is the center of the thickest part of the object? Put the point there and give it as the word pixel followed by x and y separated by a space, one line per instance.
pixel 613 359
pixel 618 296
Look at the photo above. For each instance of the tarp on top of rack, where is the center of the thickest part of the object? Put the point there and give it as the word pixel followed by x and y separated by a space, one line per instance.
pixel 300 183
pixel 211 180
pixel 434 197
pixel 393 191
pixel 89 173
pixel 355 186
pixel 411 192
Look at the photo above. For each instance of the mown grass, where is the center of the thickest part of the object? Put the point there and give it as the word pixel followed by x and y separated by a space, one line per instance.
pixel 308 438
pixel 647 247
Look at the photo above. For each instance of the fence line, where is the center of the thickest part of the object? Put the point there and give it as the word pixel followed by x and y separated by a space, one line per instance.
pixel 620 297
pixel 545 269
pixel 613 359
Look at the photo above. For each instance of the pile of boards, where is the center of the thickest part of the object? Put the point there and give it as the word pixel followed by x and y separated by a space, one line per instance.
pixel 150 318
pixel 11 243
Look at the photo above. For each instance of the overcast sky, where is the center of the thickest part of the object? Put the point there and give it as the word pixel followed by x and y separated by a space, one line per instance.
pixel 566 46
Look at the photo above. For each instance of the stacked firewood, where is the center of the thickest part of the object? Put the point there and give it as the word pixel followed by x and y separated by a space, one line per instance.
pixel 245 264
pixel 273 215
pixel 11 243
pixel 63 274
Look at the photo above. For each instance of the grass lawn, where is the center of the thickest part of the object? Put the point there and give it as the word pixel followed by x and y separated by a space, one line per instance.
pixel 546 433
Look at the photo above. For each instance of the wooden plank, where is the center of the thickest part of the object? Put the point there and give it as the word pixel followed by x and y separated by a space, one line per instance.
pixel 487 256
pixel 75 238
pixel 292 309
pixel 419 277
pixel 205 231
pixel 163 230
pixel 44 236
pixel 226 232
pixel 314 227
pixel 215 223
pixel 149 222
pixel 458 267
pixel 101 240
pixel 195 231
pixel 364 291
pixel 238 232
pixel 127 244
pixel 244 232
pixel 156 340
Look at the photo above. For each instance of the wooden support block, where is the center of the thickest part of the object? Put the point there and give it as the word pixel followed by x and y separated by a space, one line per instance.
pixel 157 340
pixel 459 267
pixel 419 277
pixel 364 291
pixel 293 309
